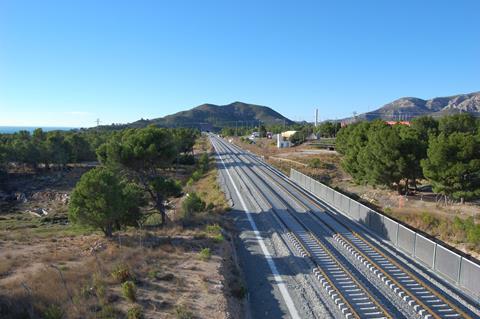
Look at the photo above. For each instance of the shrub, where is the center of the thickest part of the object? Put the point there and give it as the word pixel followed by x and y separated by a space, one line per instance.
pixel 203 163
pixel 314 163
pixel 108 312
pixel 218 238
pixel 53 312
pixel 196 175
pixel 192 204
pixel 213 229
pixel 153 273
pixel 121 273
pixel 99 287
pixel 429 220
pixel 182 312
pixel 135 312
pixel 205 254
pixel 129 290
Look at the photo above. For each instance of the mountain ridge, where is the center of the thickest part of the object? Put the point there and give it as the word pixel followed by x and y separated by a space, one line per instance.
pixel 209 116
pixel 406 108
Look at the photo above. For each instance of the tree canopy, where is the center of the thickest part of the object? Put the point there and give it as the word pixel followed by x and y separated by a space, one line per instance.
pixel 103 201
pixel 446 152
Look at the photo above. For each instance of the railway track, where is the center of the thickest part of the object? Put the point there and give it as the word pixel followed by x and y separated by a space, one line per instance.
pixel 347 292
pixel 424 299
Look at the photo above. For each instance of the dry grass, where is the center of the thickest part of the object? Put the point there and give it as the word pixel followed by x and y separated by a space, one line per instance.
pixel 47 266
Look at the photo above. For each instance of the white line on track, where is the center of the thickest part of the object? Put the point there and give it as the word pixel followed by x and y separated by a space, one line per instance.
pixel 276 275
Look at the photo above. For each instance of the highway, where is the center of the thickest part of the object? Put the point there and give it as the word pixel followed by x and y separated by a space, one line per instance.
pixel 303 260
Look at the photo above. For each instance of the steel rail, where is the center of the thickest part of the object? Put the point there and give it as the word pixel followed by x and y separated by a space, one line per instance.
pixel 325 249
pixel 369 260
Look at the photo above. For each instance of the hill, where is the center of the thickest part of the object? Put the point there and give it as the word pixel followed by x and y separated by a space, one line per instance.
pixel 407 108
pixel 212 117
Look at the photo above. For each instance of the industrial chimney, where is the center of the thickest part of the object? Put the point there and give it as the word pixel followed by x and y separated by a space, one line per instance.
pixel 316 117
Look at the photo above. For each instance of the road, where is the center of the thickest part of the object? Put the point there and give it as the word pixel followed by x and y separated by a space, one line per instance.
pixel 302 260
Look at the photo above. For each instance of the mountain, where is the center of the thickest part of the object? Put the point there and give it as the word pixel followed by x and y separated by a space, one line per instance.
pixel 210 116
pixel 407 108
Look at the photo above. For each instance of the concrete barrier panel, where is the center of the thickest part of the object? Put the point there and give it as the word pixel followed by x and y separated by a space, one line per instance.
pixel 391 227
pixel 470 277
pixel 316 189
pixel 424 250
pixel 337 199
pixel 329 196
pixel 354 209
pixel 345 204
pixel 363 214
pixel 323 192
pixel 406 239
pixel 375 223
pixel 447 263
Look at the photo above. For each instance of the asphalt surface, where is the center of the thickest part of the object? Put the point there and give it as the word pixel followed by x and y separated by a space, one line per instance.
pixel 301 260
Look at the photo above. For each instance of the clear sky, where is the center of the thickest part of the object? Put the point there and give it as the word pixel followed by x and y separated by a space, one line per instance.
pixel 67 63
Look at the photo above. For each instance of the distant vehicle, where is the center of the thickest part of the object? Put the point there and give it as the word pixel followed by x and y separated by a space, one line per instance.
pixel 255 134
pixel 269 135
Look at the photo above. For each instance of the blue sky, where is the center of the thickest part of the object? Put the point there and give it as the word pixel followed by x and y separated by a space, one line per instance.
pixel 67 63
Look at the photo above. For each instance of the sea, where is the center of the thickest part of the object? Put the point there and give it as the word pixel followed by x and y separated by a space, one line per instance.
pixel 14 129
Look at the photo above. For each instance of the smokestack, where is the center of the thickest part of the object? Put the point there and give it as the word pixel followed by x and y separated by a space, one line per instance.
pixel 316 117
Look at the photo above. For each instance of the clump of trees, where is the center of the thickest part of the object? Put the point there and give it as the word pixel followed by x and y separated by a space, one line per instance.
pixel 446 152
pixel 55 148
pixel 131 159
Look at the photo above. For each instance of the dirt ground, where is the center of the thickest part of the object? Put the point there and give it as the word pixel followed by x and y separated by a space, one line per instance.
pixel 411 209
pixel 52 269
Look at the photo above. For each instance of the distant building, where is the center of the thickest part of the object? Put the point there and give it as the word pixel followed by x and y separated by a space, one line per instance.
pixel 312 137
pixel 407 123
pixel 283 139
pixel 287 134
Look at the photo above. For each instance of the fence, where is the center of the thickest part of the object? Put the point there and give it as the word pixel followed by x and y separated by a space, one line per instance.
pixel 450 265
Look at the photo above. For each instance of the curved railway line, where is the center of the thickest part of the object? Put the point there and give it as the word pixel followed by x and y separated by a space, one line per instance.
pixel 349 294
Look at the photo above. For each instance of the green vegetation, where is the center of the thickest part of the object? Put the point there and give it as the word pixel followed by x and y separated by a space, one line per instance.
pixel 205 254
pixel 47 148
pixel 129 291
pixel 53 312
pixel 191 205
pixel 445 152
pixel 103 201
pixel 135 312
pixel 122 273
pixel 134 162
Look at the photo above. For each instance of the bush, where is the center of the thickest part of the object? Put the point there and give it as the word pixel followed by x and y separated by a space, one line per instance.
pixel 121 273
pixel 314 163
pixel 53 312
pixel 203 163
pixel 429 220
pixel 213 229
pixel 129 290
pixel 99 287
pixel 196 175
pixel 135 312
pixel 205 254
pixel 192 204
pixel 182 312
pixel 218 238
